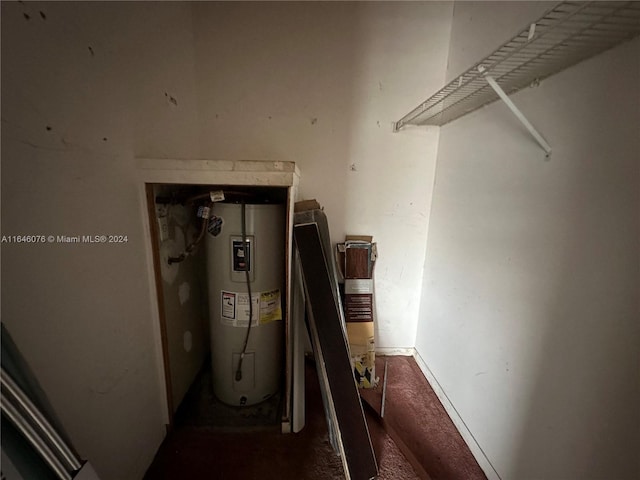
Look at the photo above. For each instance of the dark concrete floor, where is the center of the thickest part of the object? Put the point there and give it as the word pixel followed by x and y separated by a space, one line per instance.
pixel 415 440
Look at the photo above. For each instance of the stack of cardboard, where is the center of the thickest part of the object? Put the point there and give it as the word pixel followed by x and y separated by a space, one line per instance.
pixel 356 259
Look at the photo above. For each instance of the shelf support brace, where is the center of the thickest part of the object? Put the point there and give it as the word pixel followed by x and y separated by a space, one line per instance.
pixel 505 98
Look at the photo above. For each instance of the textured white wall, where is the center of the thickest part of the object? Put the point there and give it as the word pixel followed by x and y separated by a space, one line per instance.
pixel 480 27
pixel 319 84
pixel 529 318
pixel 184 296
pixel 95 74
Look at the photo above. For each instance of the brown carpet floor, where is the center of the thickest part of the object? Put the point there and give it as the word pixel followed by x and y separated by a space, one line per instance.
pixel 415 440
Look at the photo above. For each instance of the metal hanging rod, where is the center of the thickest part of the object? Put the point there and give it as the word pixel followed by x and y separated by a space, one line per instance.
pixel 38 443
pixel 35 426
pixel 567 34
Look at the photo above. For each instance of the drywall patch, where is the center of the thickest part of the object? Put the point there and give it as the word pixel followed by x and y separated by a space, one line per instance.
pixel 187 341
pixel 169 272
pixel 179 215
pixel 183 293
pixel 191 235
pixel 178 235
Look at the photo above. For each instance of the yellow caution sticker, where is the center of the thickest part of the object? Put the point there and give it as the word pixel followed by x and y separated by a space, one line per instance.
pixel 270 307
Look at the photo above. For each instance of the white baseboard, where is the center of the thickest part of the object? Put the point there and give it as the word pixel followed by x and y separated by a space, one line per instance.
pixel 457 420
pixel 389 351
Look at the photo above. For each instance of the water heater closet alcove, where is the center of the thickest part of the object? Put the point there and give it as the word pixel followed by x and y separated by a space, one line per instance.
pixel 246 374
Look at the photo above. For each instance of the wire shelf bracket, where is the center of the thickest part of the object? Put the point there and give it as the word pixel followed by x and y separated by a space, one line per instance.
pixel 567 34
pixel 519 115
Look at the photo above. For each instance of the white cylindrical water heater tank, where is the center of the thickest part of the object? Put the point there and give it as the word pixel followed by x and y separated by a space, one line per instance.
pixel 227 257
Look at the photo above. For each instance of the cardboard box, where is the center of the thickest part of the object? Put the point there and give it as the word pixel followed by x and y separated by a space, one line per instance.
pixel 358 299
pixel 356 261
pixel 362 349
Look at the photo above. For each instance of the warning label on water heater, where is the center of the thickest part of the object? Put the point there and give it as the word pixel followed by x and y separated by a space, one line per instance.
pixel 235 309
pixel 228 305
pixel 270 309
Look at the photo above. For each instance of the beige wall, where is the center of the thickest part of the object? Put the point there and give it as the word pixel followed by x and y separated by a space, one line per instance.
pixel 320 84
pixel 529 319
pixel 96 74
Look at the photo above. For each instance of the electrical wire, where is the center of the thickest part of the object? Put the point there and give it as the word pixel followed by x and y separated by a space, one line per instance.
pixel 247 261
pixel 194 243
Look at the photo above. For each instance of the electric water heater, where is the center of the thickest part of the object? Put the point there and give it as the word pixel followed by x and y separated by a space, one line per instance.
pixel 243 258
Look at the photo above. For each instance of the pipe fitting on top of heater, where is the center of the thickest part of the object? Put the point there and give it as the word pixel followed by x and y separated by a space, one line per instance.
pixel 204 212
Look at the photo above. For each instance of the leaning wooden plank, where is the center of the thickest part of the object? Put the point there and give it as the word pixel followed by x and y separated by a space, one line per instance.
pixel 332 353
pixel 309 211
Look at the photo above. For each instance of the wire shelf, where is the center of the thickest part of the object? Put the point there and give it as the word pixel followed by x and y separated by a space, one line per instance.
pixel 567 34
